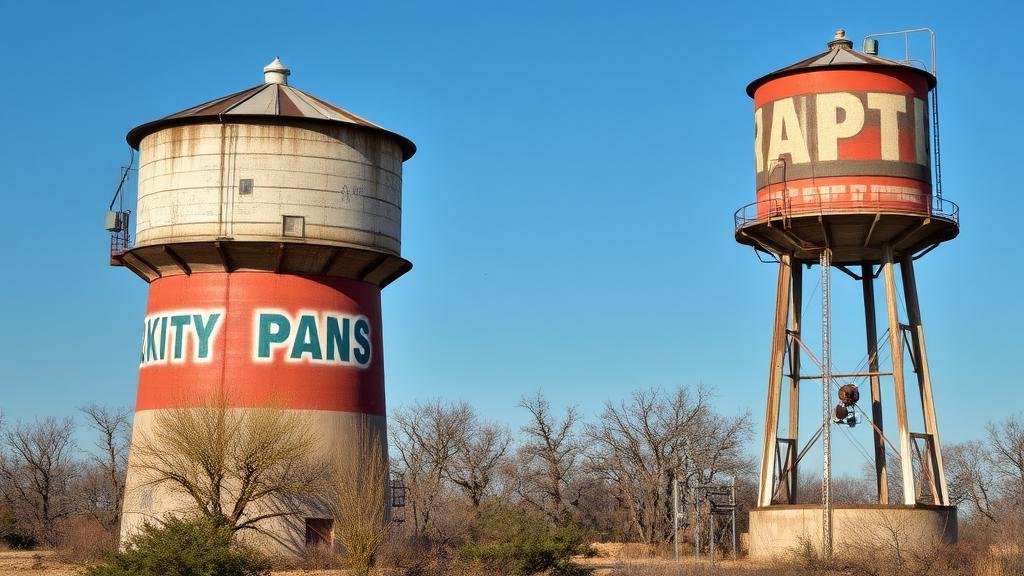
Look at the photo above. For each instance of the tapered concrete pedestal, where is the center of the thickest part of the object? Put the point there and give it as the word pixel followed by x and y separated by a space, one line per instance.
pixel 784 530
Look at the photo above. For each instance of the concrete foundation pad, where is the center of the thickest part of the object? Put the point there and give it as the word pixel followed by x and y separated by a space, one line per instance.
pixel 785 530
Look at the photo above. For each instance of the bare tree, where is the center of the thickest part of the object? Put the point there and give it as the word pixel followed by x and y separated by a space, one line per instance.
pixel 226 459
pixel 1006 450
pixel 104 485
pixel 549 459
pixel 480 450
pixel 971 477
pixel 640 445
pixel 427 436
pixel 361 504
pixel 36 468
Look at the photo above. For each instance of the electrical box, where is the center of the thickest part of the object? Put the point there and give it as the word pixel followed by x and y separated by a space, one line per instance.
pixel 113 221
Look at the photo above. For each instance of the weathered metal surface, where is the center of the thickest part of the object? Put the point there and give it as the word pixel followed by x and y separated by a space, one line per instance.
pixel 924 377
pixel 795 320
pixel 304 342
pixel 262 103
pixel 346 185
pixel 871 332
pixel 267 293
pixel 841 142
pixel 766 488
pixel 840 55
pixel 856 129
pixel 896 350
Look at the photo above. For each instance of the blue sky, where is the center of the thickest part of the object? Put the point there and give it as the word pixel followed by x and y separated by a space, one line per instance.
pixel 569 212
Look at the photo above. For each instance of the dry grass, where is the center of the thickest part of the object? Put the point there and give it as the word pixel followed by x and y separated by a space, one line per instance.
pixel 1000 560
pixel 84 540
pixel 21 562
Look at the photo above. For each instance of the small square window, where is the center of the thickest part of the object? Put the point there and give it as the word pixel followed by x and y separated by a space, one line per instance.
pixel 245 186
pixel 294 226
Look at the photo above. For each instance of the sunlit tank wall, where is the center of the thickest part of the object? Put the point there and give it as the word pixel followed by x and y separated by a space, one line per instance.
pixel 306 344
pixel 843 140
pixel 345 182
pixel 336 443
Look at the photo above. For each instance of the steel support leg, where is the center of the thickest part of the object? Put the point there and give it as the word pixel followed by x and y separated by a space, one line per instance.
pixel 796 309
pixel 871 329
pixel 766 486
pixel 896 346
pixel 924 379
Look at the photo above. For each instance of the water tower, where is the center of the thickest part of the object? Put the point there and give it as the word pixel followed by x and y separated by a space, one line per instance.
pixel 846 144
pixel 267 223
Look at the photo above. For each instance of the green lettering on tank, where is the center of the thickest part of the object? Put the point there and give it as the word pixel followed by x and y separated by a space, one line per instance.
pixel 307 339
pixel 163 337
pixel 362 337
pixel 151 326
pixel 338 338
pixel 178 323
pixel 204 332
pixel 273 329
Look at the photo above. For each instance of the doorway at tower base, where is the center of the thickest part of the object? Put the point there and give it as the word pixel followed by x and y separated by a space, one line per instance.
pixel 784 530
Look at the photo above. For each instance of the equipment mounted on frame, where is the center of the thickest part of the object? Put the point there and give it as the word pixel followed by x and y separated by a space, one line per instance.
pixel 118 222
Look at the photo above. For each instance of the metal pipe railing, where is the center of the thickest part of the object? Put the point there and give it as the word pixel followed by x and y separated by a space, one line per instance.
pixel 870 203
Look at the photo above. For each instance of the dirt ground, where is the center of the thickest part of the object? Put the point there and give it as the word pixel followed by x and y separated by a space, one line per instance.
pixel 40 563
pixel 19 563
pixel 43 563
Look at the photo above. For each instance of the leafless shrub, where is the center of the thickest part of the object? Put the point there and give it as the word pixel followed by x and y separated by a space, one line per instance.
pixel 225 459
pixel 361 514
pixel 84 540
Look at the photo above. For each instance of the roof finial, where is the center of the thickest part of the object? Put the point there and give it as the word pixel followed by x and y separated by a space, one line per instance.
pixel 276 72
pixel 840 40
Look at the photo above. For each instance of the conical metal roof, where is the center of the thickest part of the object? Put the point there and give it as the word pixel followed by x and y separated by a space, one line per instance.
pixel 840 54
pixel 274 101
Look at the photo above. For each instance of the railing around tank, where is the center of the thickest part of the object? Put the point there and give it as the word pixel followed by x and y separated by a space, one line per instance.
pixel 819 204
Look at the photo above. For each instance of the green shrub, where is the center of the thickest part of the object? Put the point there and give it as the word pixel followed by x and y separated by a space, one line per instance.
pixel 517 542
pixel 182 547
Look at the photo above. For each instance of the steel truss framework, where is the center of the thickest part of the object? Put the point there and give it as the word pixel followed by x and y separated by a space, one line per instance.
pixel 919 454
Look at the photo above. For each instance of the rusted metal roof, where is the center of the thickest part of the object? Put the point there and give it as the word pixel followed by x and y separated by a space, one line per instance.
pixel 840 54
pixel 271 101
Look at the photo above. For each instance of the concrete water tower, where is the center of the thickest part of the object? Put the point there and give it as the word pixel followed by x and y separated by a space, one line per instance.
pixel 845 147
pixel 267 222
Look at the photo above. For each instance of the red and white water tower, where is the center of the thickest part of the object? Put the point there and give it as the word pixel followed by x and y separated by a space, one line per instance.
pixel 847 172
pixel 267 223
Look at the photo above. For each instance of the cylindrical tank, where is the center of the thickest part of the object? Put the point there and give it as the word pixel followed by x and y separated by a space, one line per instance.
pixel 842 156
pixel 268 221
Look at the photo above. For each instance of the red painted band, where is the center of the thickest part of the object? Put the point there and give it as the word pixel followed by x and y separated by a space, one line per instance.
pixel 232 368
pixel 846 194
pixel 824 81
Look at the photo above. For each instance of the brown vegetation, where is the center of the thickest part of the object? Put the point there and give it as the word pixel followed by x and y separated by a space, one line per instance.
pixel 361 513
pixel 479 502
pixel 224 459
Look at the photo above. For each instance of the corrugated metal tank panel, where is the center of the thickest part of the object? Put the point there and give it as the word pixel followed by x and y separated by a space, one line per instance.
pixel 345 182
